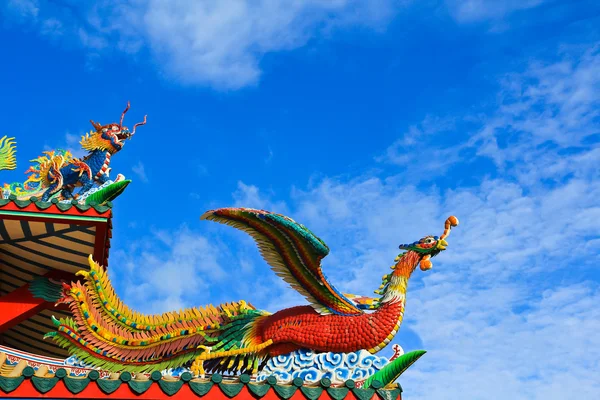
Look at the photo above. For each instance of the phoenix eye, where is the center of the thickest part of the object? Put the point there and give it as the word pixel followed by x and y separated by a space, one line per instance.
pixel 115 128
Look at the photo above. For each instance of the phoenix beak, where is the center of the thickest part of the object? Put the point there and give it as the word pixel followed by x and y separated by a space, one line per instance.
pixel 442 244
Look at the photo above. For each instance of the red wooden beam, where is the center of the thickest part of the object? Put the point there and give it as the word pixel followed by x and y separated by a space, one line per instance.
pixel 19 305
pixel 100 250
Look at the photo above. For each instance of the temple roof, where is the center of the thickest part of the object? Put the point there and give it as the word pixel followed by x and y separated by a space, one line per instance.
pixel 49 239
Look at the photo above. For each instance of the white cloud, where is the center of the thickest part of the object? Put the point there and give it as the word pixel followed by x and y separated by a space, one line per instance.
pixel 167 270
pixel 500 313
pixel 140 171
pixel 546 109
pixel 405 150
pixel 250 196
pixel 73 145
pixel 503 313
pixel 216 43
pixel 466 11
pixel 221 43
pixel 506 255
pixel 23 9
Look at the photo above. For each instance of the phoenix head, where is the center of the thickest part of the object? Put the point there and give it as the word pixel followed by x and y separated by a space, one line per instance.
pixel 431 246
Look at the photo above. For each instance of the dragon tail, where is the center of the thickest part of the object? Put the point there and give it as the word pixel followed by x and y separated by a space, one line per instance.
pixel 8 152
pixel 107 334
pixel 41 174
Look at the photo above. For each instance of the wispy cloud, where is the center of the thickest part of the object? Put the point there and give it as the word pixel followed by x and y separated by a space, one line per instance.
pixel 466 11
pixel 140 171
pixel 23 9
pixel 250 196
pixel 502 313
pixel 216 43
pixel 269 156
pixel 543 111
pixel 167 270
pixel 221 43
pixel 73 145
pixel 407 150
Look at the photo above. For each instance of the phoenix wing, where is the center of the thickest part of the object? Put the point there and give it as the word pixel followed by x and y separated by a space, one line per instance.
pixel 293 252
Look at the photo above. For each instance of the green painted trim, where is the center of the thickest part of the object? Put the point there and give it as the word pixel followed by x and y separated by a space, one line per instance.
pixel 108 386
pixel 363 394
pixel 338 393
pixel 76 385
pixel 43 205
pixel 285 392
pixel 229 389
pixel 170 387
pixel 201 388
pixel 53 216
pixel 9 384
pixel 259 389
pixel 140 387
pixel 311 393
pixel 44 385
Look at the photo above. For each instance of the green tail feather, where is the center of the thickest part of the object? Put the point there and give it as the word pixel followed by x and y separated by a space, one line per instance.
pixel 107 193
pixel 113 366
pixel 7 153
pixel 231 337
pixel 393 370
pixel 55 322
pixel 43 288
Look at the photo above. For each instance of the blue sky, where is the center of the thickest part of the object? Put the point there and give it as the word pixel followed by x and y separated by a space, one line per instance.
pixel 368 122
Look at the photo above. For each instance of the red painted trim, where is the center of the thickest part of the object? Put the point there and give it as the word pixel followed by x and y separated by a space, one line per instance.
pixel 53 209
pixel 53 220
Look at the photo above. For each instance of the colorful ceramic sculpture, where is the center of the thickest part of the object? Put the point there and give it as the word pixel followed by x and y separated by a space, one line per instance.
pixel 57 173
pixel 236 337
pixel 7 153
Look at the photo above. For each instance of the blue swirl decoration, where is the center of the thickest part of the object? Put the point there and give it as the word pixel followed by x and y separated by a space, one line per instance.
pixel 312 367
pixel 75 362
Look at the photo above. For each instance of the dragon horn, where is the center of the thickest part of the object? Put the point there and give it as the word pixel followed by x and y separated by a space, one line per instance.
pixel 450 222
pixel 96 125
pixel 123 114
pixel 138 124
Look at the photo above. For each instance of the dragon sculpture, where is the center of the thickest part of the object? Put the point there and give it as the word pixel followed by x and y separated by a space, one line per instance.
pixel 236 337
pixel 58 173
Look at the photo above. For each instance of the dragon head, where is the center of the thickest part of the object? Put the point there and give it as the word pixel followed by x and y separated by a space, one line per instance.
pixel 109 137
pixel 430 246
